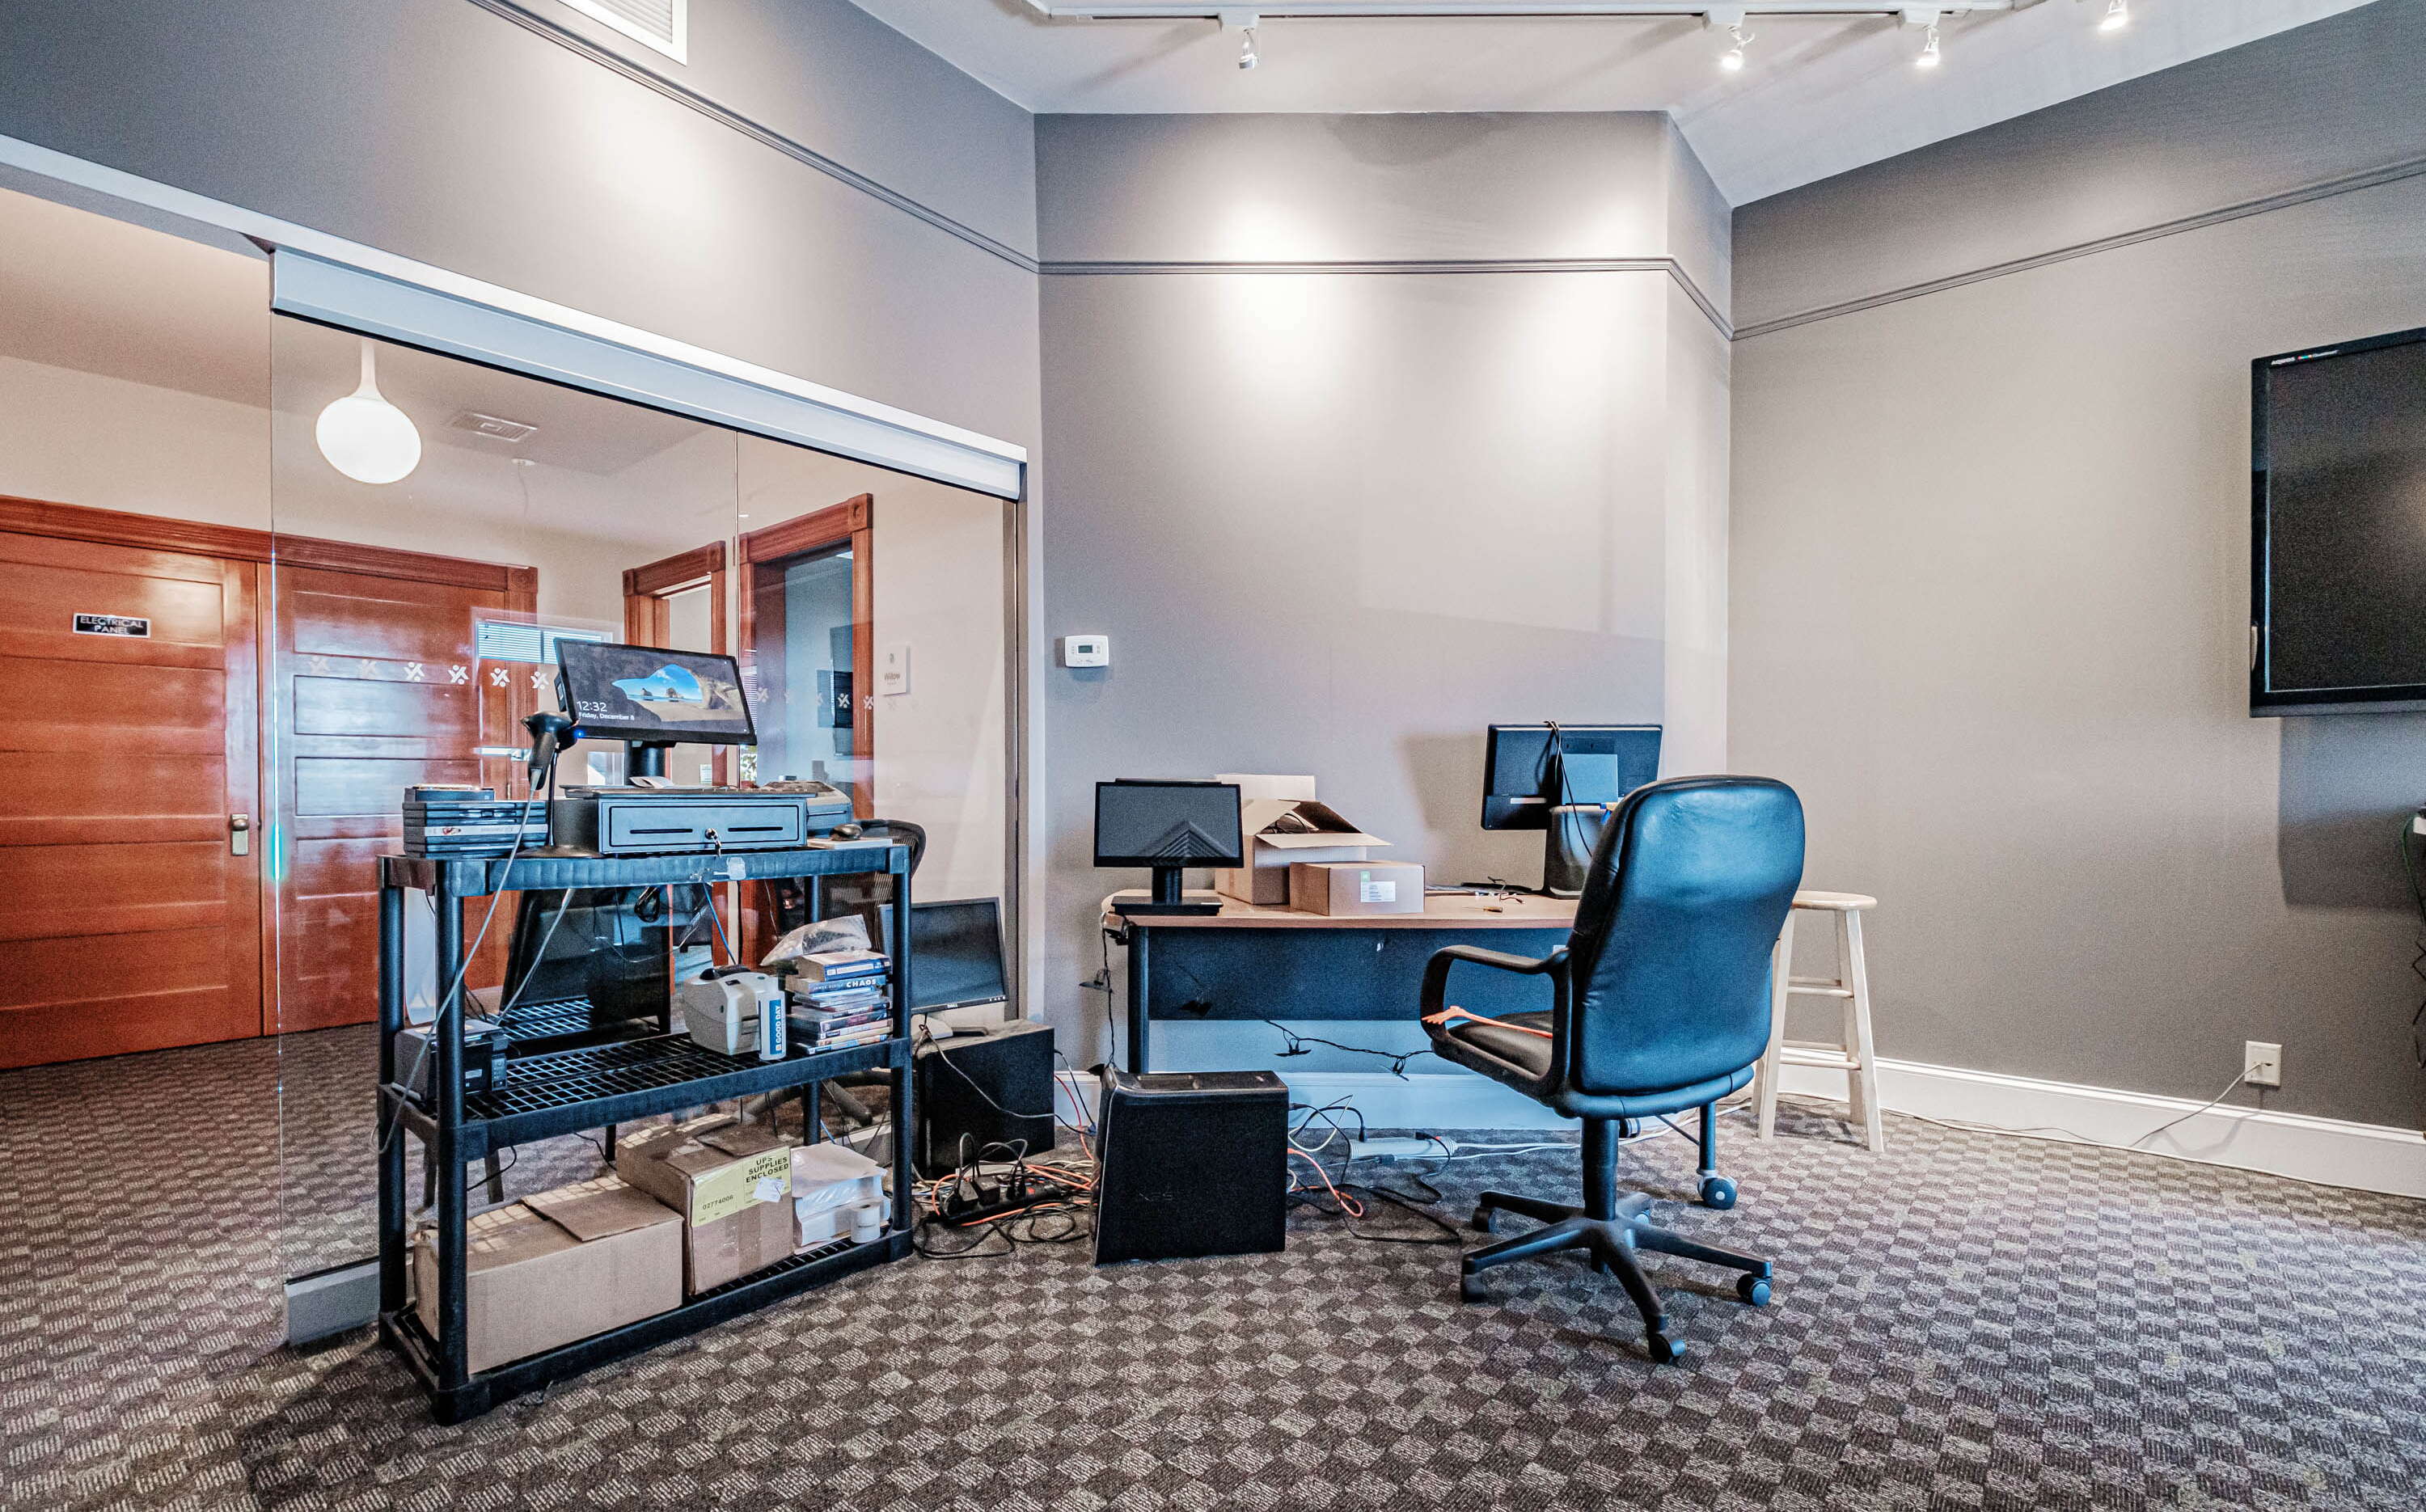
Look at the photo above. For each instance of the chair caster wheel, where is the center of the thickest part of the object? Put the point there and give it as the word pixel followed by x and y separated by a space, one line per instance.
pixel 1666 1348
pixel 1469 1289
pixel 1753 1289
pixel 1718 1192
pixel 1483 1220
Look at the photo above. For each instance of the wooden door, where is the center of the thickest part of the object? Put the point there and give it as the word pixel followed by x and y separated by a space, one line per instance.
pixel 378 687
pixel 129 922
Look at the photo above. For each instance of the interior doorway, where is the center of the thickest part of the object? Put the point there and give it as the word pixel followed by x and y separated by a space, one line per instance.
pixel 808 632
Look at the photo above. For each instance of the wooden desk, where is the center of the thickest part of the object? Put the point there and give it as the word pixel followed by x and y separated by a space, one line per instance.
pixel 1250 961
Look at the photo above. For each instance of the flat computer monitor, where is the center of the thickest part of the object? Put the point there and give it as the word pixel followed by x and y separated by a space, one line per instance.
pixel 1168 825
pixel 955 953
pixel 1561 779
pixel 650 695
pixel 596 957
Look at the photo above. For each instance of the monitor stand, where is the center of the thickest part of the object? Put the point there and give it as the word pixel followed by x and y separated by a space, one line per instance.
pixel 1563 866
pixel 1169 897
pixel 645 757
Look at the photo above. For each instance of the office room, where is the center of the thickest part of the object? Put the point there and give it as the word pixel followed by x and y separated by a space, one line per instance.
pixel 1145 753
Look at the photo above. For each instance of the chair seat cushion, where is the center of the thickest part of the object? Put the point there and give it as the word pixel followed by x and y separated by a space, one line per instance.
pixel 1499 1049
pixel 1526 1054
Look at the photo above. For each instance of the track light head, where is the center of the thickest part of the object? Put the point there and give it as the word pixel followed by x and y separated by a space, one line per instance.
pixel 2118 15
pixel 1247 57
pixel 1732 60
pixel 1930 57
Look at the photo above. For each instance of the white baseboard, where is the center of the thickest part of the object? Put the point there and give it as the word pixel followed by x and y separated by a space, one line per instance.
pixel 2369 1157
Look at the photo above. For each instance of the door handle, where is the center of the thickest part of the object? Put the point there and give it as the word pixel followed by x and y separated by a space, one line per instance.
pixel 239 834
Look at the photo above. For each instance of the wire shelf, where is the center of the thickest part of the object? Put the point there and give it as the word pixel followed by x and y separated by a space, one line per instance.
pixel 568 1077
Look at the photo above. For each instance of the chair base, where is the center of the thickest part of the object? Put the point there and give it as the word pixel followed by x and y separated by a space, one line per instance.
pixel 1612 1241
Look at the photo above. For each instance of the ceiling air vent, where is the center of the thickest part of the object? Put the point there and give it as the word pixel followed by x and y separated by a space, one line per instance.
pixel 664 24
pixel 494 426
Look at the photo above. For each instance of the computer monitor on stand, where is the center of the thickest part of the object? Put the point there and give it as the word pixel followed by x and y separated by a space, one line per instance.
pixel 651 698
pixel 1168 825
pixel 1564 780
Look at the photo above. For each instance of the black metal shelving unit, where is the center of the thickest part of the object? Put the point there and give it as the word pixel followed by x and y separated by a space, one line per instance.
pixel 567 1091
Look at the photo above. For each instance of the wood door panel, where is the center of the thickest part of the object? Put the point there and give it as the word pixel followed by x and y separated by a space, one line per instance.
pixel 106 708
pixel 368 706
pixel 66 646
pixel 327 624
pixel 124 889
pixel 335 785
pixel 63 790
pixel 115 1025
pixel 62 969
pixel 46 600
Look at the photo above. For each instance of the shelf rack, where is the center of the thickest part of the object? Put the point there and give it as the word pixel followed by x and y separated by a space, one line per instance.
pixel 562 1091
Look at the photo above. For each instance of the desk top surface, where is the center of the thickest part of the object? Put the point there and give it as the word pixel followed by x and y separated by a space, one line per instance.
pixel 1442 910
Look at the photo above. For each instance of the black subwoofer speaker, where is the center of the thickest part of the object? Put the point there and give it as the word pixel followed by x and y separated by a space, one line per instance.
pixel 1192 1164
pixel 974 1090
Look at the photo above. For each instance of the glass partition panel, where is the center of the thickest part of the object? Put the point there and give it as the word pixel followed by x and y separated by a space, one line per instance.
pixel 440 528
pixel 874 632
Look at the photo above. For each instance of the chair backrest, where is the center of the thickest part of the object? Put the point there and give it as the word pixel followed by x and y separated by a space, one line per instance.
pixel 1669 957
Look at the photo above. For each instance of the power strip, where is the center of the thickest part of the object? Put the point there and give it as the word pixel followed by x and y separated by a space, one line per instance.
pixel 990 1191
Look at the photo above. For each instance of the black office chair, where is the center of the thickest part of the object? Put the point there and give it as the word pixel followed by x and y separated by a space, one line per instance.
pixel 1660 1004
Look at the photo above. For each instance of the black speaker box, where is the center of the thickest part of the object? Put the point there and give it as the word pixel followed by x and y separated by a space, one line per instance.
pixel 973 1090
pixel 1194 1163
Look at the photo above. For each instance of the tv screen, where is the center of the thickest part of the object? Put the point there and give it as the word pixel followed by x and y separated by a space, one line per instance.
pixel 2338 554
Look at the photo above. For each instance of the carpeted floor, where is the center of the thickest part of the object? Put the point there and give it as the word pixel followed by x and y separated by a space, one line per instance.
pixel 1966 1322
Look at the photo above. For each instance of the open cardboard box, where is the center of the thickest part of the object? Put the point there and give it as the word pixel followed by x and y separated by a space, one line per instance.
pixel 1284 824
pixel 555 1268
pixel 729 1180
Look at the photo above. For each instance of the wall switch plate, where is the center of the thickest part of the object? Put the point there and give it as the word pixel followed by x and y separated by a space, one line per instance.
pixel 1085 651
pixel 892 667
pixel 2261 1063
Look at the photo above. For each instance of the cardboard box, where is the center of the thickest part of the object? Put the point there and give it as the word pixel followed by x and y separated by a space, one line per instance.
pixel 1285 825
pixel 557 1267
pixel 729 1181
pixel 1356 887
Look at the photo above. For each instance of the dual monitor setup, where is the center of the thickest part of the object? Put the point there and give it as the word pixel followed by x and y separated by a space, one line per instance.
pixel 1560 779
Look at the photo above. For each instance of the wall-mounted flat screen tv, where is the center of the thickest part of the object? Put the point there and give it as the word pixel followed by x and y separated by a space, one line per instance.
pixel 2337 560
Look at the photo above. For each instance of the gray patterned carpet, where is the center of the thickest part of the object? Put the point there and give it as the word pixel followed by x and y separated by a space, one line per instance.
pixel 1966 1322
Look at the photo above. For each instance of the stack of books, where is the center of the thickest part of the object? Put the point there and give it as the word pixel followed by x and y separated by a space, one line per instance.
pixel 842 997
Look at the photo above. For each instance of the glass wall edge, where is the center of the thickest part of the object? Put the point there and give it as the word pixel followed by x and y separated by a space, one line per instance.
pixel 333 293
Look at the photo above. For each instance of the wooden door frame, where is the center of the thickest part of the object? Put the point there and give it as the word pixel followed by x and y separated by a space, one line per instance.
pixel 851 524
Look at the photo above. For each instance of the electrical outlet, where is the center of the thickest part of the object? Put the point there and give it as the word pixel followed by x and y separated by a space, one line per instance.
pixel 2261 1063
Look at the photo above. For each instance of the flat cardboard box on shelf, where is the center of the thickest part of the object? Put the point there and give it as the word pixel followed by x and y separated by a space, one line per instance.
pixel 1265 802
pixel 729 1181
pixel 1356 887
pixel 557 1267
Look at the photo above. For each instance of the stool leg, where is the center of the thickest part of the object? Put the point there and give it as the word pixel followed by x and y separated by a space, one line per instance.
pixel 1781 968
pixel 1865 1076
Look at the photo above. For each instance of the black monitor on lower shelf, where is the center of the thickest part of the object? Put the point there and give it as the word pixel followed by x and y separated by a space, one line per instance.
pixel 605 950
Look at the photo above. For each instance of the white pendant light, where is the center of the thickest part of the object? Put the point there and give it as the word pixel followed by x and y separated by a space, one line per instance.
pixel 366 438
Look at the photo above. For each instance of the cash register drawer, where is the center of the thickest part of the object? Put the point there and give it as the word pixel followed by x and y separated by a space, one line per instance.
pixel 626 827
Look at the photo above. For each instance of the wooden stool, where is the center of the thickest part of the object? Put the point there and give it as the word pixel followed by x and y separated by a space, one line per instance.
pixel 1851 986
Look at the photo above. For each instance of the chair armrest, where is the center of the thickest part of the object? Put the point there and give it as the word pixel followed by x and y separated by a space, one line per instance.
pixel 1436 969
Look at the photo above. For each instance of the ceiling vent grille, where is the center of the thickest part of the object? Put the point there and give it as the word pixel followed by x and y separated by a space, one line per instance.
pixel 664 24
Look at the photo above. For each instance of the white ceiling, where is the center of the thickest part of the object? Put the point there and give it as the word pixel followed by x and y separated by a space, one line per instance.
pixel 1819 96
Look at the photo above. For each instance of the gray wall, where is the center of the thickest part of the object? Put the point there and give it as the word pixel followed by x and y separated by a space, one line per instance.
pixel 1337 522
pixel 1989 583
pixel 442 130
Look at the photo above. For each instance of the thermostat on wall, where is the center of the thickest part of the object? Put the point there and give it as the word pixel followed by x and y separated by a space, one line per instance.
pixel 1085 651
